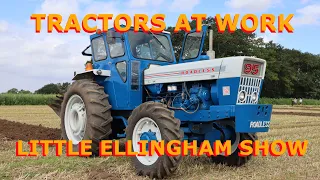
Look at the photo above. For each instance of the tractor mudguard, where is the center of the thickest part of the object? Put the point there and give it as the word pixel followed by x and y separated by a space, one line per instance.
pixel 91 73
pixel 56 104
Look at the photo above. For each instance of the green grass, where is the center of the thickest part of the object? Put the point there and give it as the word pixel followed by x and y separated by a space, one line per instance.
pixel 287 101
pixel 25 99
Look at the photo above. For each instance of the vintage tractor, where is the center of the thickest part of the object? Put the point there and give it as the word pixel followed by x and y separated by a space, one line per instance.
pixel 137 90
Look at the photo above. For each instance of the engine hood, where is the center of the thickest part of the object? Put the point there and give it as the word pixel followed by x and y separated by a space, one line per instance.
pixel 204 70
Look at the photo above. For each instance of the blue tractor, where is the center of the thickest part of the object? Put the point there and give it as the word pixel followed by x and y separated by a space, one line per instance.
pixel 139 91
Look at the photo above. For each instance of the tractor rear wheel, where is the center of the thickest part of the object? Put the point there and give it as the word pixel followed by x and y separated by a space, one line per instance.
pixel 154 121
pixel 234 159
pixel 85 114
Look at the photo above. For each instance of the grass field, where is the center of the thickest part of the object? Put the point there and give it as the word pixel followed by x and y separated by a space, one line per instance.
pixel 283 127
pixel 287 101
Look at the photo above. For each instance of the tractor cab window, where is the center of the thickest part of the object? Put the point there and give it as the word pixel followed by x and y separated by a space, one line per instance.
pixel 115 43
pixel 99 48
pixel 150 46
pixel 192 45
pixel 143 51
pixel 122 70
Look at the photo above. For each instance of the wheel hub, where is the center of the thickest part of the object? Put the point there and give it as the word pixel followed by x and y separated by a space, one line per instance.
pixel 148 136
pixel 145 130
pixel 75 119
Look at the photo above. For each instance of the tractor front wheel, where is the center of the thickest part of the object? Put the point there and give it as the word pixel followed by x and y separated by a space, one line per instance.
pixel 153 121
pixel 234 159
pixel 86 114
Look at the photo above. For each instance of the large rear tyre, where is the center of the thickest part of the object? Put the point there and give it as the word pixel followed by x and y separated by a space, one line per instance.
pixel 85 114
pixel 234 159
pixel 154 121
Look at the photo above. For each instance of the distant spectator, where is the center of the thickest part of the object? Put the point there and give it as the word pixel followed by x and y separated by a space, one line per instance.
pixel 294 101
pixel 300 101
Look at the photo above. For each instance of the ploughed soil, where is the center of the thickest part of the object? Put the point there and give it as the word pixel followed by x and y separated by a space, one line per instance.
pixel 20 131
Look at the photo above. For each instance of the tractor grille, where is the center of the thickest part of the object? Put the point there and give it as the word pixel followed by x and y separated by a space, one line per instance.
pixel 249 86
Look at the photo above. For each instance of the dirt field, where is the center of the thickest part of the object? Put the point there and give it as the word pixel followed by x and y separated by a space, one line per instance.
pixel 39 122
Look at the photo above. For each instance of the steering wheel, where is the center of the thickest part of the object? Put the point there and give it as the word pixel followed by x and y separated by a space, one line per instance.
pixel 160 54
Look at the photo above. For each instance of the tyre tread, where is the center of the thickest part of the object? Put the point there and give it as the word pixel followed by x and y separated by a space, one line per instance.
pixel 234 159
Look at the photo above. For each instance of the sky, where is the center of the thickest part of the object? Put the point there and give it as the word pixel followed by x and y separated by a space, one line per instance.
pixel 29 60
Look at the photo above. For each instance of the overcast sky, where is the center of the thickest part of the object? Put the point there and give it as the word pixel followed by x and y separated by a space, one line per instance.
pixel 29 60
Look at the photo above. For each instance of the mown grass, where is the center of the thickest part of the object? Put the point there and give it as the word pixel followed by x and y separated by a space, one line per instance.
pixel 283 127
pixel 34 115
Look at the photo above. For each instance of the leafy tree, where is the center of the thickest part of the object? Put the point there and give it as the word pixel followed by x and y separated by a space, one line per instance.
pixel 13 91
pixel 48 89
pixel 53 88
pixel 24 92
pixel 63 87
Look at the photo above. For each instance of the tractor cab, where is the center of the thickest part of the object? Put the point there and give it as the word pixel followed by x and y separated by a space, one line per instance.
pixel 156 48
pixel 118 61
pixel 150 47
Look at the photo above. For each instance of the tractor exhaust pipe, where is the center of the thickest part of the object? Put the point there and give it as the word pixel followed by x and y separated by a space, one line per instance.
pixel 211 40
pixel 211 52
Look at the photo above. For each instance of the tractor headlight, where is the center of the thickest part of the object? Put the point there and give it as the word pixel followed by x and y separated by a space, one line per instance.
pixel 242 96
pixel 254 96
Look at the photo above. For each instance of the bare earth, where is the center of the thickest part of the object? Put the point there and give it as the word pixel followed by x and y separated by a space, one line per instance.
pixel 39 122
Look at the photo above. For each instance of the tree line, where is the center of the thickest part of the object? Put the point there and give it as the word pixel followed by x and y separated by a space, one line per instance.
pixel 290 73
pixel 46 89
